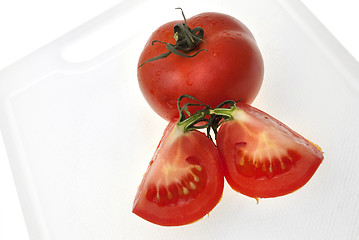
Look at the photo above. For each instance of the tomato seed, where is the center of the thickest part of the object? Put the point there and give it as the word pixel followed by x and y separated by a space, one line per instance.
pixel 241 161
pixel 198 167
pixel 196 178
pixel 169 195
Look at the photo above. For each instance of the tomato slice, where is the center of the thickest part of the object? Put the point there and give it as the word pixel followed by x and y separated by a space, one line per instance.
pixel 184 180
pixel 262 157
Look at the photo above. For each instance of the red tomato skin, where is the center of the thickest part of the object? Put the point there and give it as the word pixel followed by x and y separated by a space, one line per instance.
pixel 281 184
pixel 232 68
pixel 190 144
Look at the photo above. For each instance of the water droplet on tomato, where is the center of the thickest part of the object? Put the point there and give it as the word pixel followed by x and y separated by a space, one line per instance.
pixel 189 81
pixel 171 104
pixel 214 22
pixel 158 73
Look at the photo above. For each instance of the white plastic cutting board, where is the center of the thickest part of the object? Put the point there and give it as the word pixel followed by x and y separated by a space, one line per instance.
pixel 79 134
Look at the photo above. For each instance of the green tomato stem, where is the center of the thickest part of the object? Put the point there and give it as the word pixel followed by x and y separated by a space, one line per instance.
pixel 190 121
pixel 187 40
pixel 226 113
pixel 193 121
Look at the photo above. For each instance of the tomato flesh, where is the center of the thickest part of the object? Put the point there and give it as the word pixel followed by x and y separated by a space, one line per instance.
pixel 184 180
pixel 262 157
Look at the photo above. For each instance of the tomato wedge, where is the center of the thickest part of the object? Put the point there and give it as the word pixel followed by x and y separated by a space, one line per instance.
pixel 184 180
pixel 262 157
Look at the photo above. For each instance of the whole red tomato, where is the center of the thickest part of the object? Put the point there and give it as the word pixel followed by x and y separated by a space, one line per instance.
pixel 227 63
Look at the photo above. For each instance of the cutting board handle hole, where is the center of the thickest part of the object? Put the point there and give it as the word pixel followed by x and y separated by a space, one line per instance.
pixel 88 46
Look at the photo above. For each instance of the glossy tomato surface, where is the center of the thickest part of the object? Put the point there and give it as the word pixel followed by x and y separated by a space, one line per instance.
pixel 262 157
pixel 184 180
pixel 232 68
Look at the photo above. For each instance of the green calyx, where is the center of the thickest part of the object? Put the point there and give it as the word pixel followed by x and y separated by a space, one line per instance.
pixel 187 40
pixel 197 120
pixel 205 117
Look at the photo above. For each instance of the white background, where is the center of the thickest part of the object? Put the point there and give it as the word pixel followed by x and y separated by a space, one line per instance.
pixel 26 25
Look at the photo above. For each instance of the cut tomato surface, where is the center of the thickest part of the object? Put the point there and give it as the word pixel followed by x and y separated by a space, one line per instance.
pixel 262 157
pixel 184 180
